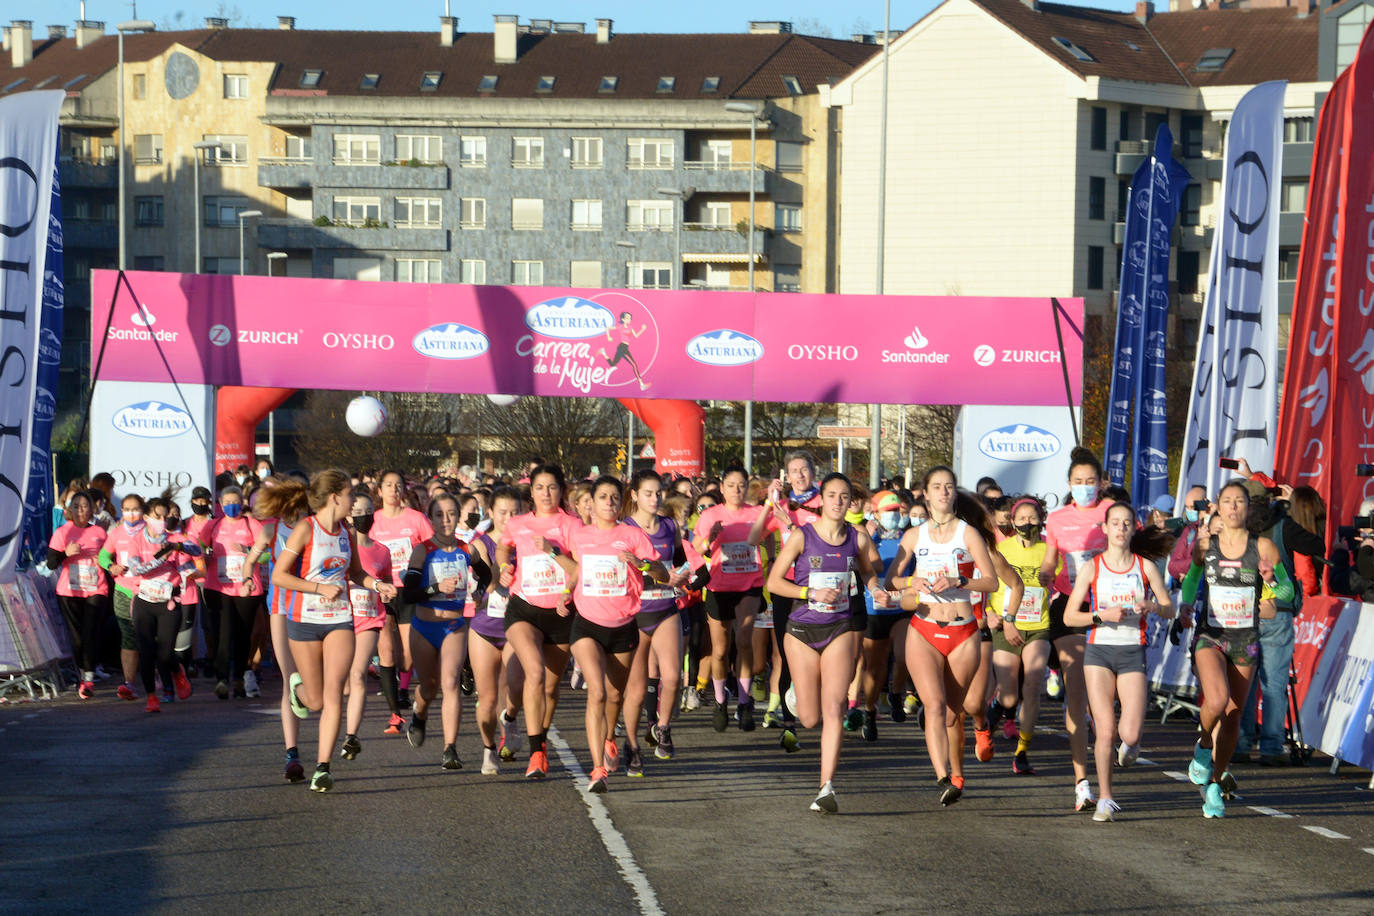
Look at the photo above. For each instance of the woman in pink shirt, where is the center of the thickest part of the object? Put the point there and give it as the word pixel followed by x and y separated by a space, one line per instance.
pixel 612 560
pixel 369 615
pixel 233 590
pixel 160 562
pixel 82 592
pixel 400 529
pixel 620 335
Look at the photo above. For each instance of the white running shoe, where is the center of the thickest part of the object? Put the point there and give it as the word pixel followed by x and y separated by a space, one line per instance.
pixel 1106 811
pixel 1082 796
pixel 250 685
pixel 491 764
pixel 825 801
pixel 692 700
pixel 1127 754
pixel 511 736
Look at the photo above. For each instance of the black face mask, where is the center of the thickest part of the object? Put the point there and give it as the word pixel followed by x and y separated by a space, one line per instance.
pixel 362 523
pixel 472 520
pixel 200 508
pixel 173 523
pixel 1029 531
pixel 1006 529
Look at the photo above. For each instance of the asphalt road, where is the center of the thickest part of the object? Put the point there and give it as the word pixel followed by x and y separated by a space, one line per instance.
pixel 108 808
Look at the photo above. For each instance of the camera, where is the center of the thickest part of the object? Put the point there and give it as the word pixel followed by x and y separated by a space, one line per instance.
pixel 1365 522
pixel 1230 464
pixel 1201 505
pixel 1364 470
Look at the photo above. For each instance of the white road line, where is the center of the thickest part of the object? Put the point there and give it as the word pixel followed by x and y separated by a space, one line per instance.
pixel 1271 812
pixel 1175 774
pixel 1370 850
pixel 1322 831
pixel 1145 761
pixel 611 838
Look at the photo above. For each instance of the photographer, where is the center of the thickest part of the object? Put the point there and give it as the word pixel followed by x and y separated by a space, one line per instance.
pixel 1362 545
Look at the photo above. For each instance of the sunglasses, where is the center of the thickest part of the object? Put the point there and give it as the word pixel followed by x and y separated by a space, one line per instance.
pixel 702 507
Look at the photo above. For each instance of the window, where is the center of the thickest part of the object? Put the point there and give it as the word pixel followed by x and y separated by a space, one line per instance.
pixel 472 213
pixel 710 84
pixel 299 147
pixel 650 153
pixel 716 214
pixel 1293 195
pixel 527 273
pixel 472 271
pixel 358 269
pixel 649 275
pixel 149 262
pixel 1214 59
pixel 1098 138
pixel 586 214
pixel 1297 130
pixel 1123 199
pixel 786 279
pixel 787 218
pixel 418 213
pixel 545 84
pixel 430 81
pixel 224 266
pixel 310 79
pixel 140 86
pixel 649 215
pixel 1349 30
pixel 608 84
pixel 586 274
pixel 792 85
pixel 420 147
pixel 527 213
pixel 1095 262
pixel 666 83
pixel 1188 262
pixel 717 277
pixel 527 152
pixel 1124 125
pixel 586 152
pixel 235 86
pixel 487 83
pixel 148 148
pixel 472 152
pixel 717 153
pixel 1152 121
pixel 370 81
pixel 1074 50
pixel 357 211
pixel 1097 198
pixel 148 211
pixel 357 149
pixel 1288 263
pixel 232 150
pixel 789 156
pixel 224 211
pixel 1192 136
pixel 412 270
pixel 1192 205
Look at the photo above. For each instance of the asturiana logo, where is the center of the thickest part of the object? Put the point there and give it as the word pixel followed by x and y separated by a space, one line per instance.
pixel 450 341
pixel 1019 442
pixel 152 420
pixel 569 318
pixel 724 347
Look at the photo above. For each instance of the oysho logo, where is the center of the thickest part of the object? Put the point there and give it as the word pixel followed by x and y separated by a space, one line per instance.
pixel 1019 442
pixel 825 353
pixel 724 347
pixel 152 420
pixel 984 355
pixel 450 341
pixel 569 318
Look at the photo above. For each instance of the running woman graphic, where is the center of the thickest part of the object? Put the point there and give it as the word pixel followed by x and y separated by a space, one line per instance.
pixel 620 335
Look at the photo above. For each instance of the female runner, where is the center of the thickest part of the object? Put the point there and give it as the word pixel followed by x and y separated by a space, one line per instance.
pixel 401 529
pixel 488 648
pixel 823 630
pixel 369 615
pixel 159 563
pixel 82 593
pixel 115 556
pixel 690 603
pixel 233 592
pixel 885 634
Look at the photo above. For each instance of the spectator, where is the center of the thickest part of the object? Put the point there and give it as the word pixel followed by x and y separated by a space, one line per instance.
pixel 1182 556
pixel 1362 570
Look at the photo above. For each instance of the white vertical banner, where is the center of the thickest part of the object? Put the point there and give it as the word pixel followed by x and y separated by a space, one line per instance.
pixel 1025 449
pixel 28 154
pixel 1233 410
pixel 154 437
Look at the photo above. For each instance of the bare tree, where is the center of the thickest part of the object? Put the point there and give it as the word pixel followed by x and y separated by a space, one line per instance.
pixel 417 434
pixel 573 432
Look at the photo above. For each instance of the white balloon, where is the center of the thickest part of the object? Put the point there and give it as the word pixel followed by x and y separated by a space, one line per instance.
pixel 503 400
pixel 366 416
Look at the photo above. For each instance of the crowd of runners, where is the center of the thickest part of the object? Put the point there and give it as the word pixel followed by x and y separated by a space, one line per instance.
pixel 831 607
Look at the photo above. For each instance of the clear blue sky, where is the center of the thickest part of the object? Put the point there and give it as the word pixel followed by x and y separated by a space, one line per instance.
pixel 813 17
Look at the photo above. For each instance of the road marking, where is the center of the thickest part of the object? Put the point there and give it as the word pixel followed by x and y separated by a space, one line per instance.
pixel 612 839
pixel 1271 812
pixel 1322 831
pixel 1175 774
pixel 1370 850
pixel 1145 761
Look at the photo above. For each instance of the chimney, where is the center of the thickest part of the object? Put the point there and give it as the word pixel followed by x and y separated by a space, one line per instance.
pixel 505 38
pixel 1032 4
pixel 448 26
pixel 563 28
pixel 216 22
pixel 603 31
pixel 87 31
pixel 5 39
pixel 56 31
pixel 1144 11
pixel 286 23
pixel 21 42
pixel 775 27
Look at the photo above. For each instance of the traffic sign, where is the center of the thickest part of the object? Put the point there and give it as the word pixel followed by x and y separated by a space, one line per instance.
pixel 843 432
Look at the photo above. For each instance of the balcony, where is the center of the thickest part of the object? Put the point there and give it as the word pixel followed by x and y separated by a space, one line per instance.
pixel 287 234
pixel 89 173
pixel 285 173
pixel 716 177
pixel 89 233
pixel 704 243
pixel 383 177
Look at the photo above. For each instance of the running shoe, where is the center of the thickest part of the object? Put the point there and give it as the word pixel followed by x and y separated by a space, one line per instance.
pixel 788 742
pixel 650 738
pixel 897 707
pixel 294 771
pixel 611 753
pixel 949 792
pixel 539 765
pixel 773 718
pixel 449 760
pixel 620 729
pixel 758 688
pixel 222 690
pixel 1054 685
pixel 1228 785
pixel 1020 765
pixel 825 801
pixel 1010 730
pixel 1200 767
pixel 512 740
pixel 491 762
pixel 86 690
pixel 182 682
pixel 744 716
pixel 168 696
pixel 321 781
pixel 1213 805
pixel 994 715
pixel 720 716
pixel 634 764
pixel 352 747
pixel 466 684
pixel 1127 754
pixel 982 739
pixel 1106 811
pixel 250 685
pixel 869 727
pixel 126 691
pixel 394 725
pixel 101 674
pixel 577 681
pixel 853 719
pixel 663 746
pixel 1082 795
pixel 911 704
pixel 153 704
pixel 415 732
pixel 240 692
pixel 403 700
pixel 297 706
pixel 597 784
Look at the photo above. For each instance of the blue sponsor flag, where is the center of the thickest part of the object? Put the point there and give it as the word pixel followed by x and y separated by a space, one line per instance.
pixel 1357 744
pixel 38 500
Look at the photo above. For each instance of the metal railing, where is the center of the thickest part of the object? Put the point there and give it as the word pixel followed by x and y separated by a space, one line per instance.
pixel 348 160
pixel 286 160
pixel 648 227
pixel 720 165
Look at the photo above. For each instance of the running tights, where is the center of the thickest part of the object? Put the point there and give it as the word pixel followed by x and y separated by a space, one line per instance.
pixel 84 617
pixel 233 617
pixel 155 628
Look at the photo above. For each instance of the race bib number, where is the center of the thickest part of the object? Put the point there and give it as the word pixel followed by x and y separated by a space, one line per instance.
pixel 1032 605
pixel 496 604
pixel 364 602
pixel 835 580
pixel 540 575
pixel 604 576
pixel 739 557
pixel 155 591
pixel 83 575
pixel 231 567
pixel 1231 607
pixel 327 610
pixel 1123 593
pixel 1075 560
pixel 450 569
pixel 660 594
pixel 399 549
pixel 931 568
pixel 763 620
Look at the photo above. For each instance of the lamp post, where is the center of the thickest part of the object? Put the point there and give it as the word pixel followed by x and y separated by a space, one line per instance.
pixel 243 215
pixel 274 256
pixel 629 247
pixel 678 210
pixel 875 432
pixel 630 435
pixel 746 108
pixel 202 146
pixel 133 25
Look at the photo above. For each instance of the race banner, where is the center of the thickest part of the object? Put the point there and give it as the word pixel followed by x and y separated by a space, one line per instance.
pixel 1234 399
pixel 1137 415
pixel 30 290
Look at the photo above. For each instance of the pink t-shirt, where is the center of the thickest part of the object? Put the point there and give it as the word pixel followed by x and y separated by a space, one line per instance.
pixel 1077 535
pixel 229 540
pixel 368 613
pixel 539 579
pixel 120 542
pixel 195 532
pixel 80 576
pixel 158 576
pixel 735 566
pixel 608 589
pixel 400 535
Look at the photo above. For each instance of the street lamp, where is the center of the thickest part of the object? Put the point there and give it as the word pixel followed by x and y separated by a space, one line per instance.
pixel 134 25
pixel 678 211
pixel 630 247
pixel 202 146
pixel 243 215
pixel 747 108
pixel 876 416
pixel 274 256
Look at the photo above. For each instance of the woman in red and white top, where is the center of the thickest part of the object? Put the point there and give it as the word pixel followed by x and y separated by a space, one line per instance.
pixel 401 529
pixel 316 566
pixel 233 589
pixel 82 592
pixel 159 564
pixel 369 616
pixel 612 560
pixel 1120 586
pixel 538 543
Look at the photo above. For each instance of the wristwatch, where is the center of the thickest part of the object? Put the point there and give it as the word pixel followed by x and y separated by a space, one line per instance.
pixel 963 581
pixel 1097 619
pixel 1009 617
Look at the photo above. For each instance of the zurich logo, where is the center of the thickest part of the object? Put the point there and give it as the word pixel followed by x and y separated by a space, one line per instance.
pixel 152 420
pixel 724 347
pixel 450 340
pixel 569 318
pixel 1019 442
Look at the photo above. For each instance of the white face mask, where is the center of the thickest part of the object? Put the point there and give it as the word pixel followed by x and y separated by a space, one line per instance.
pixel 240 478
pixel 262 473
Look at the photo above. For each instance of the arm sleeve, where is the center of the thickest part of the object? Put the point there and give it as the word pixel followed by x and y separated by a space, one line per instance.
pixel 105 559
pixel 412 586
pixel 55 558
pixel 1283 586
pixel 1191 581
pixel 481 573
pixel 700 579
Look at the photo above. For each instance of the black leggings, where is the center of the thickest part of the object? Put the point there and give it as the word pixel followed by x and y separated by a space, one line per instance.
pixel 156 628
pixel 84 618
pixel 232 618
pixel 782 613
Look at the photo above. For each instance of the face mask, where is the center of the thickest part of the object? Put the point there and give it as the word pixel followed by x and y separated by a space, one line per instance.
pixel 472 520
pixel 891 520
pixel 133 525
pixel 233 510
pixel 854 518
pixel 173 523
pixel 1084 495
pixel 1030 531
pixel 262 473
pixel 362 523
pixel 200 508
pixel 917 521
pixel 240 478
pixel 157 529
pixel 1006 529
pixel 1190 515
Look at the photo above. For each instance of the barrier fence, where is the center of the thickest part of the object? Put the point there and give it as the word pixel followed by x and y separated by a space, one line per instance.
pixel 33 637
